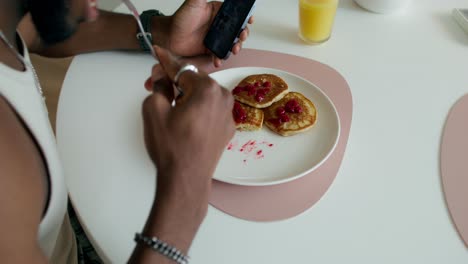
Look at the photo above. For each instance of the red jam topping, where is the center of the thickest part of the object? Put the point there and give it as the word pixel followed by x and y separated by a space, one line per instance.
pixel 263 91
pixel 237 90
pixel 257 90
pixel 250 89
pixel 280 111
pixel 240 115
pixel 292 106
pixel 261 94
pixel 284 118
pixel 259 97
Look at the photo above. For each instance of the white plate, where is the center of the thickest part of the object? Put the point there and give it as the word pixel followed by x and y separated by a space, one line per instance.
pixel 265 158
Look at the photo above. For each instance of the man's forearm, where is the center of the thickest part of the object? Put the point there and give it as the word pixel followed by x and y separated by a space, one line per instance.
pixel 175 217
pixel 112 31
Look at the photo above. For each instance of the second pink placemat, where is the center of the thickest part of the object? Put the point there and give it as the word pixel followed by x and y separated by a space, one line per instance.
pixel 454 166
pixel 277 202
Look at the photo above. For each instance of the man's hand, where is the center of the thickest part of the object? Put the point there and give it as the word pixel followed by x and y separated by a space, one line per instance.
pixel 190 25
pixel 185 143
pixel 190 137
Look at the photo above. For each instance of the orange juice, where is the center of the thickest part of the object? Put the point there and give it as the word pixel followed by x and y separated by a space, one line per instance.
pixel 316 19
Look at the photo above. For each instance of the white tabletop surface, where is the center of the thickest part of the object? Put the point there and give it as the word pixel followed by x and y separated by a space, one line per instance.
pixel 386 204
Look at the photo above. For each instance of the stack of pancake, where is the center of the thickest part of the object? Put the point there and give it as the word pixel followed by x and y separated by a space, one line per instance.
pixel 265 98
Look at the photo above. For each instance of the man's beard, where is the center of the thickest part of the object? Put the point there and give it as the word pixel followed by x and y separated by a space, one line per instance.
pixel 52 20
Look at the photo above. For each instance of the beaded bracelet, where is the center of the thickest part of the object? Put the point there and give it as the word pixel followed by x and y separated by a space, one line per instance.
pixel 162 247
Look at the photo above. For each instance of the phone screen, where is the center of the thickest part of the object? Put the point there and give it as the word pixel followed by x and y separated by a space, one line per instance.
pixel 227 25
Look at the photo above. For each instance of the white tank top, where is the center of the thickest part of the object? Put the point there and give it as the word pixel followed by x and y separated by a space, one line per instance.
pixel 19 89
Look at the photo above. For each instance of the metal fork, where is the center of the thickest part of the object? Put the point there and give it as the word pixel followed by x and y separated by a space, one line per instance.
pixel 136 15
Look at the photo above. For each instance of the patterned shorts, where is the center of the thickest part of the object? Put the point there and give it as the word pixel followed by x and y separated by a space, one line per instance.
pixel 86 252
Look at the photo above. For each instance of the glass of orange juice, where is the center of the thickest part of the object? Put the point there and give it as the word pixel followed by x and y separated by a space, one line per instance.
pixel 316 19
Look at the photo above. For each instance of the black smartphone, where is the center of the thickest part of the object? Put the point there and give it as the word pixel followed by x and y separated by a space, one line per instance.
pixel 229 22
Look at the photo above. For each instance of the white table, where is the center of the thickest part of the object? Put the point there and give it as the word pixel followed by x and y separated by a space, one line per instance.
pixel 386 205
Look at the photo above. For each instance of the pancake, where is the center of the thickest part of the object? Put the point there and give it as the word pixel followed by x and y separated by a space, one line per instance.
pixel 260 90
pixel 246 117
pixel 291 115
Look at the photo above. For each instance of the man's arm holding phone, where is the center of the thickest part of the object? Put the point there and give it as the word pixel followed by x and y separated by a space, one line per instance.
pixel 182 33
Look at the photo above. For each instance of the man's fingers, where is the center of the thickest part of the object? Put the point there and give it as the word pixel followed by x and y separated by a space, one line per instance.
pixel 149 84
pixel 244 34
pixel 157 72
pixel 168 62
pixel 159 103
pixel 156 110
pixel 216 6
pixel 164 90
pixel 195 3
pixel 147 113
pixel 217 61
pixel 188 82
pixel 172 66
pixel 229 103
pixel 236 49
pixel 251 20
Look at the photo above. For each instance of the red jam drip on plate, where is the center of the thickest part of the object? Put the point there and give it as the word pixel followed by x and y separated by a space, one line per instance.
pixel 251 149
pixel 240 115
pixel 257 90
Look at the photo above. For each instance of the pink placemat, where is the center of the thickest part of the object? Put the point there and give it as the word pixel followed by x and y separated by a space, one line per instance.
pixel 454 166
pixel 272 203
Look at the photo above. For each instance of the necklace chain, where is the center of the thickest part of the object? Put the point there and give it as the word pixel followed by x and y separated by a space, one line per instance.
pixel 27 64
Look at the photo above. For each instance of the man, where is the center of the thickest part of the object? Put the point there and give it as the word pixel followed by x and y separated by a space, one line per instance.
pixel 34 225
